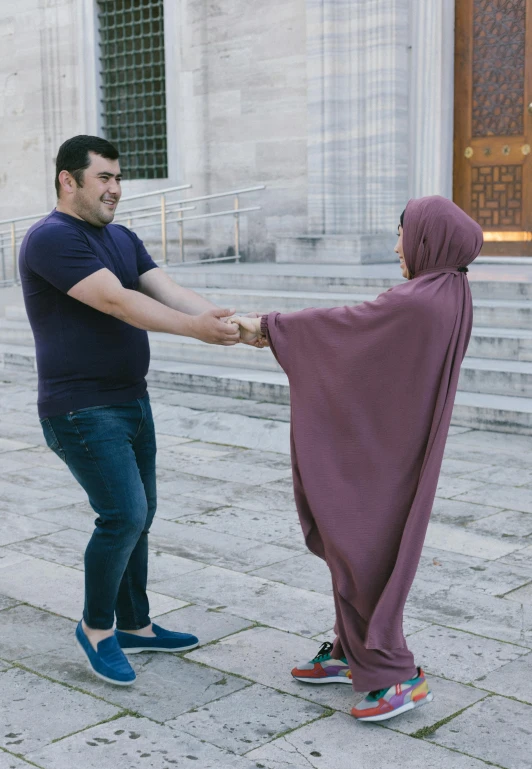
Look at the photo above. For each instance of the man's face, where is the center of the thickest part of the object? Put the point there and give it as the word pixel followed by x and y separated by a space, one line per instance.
pixel 97 200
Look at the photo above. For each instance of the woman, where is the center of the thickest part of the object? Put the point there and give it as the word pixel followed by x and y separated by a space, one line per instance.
pixel 372 392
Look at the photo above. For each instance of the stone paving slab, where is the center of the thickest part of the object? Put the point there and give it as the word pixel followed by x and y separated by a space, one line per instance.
pixel 164 566
pixel 513 679
pixel 478 613
pixel 8 444
pixel 494 730
pixel 209 625
pixel 509 525
pixel 460 656
pixel 465 542
pixel 342 743
pixel 65 546
pixel 26 631
pixel 166 686
pixel 440 568
pixel 522 557
pixel 451 485
pixel 79 516
pixel 269 500
pixel 136 742
pixel 471 470
pixel 456 512
pixel 248 523
pixel 6 602
pixel 257 599
pixel 175 506
pixel 513 498
pixel 523 595
pixel 227 428
pixel 304 571
pixel 60 589
pixel 41 711
pixel 266 656
pixel 247 719
pixel 503 476
pixel 10 762
pixel 213 547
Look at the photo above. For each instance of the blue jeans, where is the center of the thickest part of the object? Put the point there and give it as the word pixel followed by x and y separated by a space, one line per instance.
pixel 110 451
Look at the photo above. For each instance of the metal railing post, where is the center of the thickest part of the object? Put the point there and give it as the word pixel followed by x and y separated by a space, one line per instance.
pixel 4 278
pixel 237 231
pixel 163 228
pixel 181 236
pixel 14 249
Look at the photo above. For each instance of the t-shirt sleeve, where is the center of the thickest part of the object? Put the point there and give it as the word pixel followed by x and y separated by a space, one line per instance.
pixel 62 256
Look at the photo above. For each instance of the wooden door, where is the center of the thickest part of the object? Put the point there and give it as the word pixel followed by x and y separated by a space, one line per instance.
pixel 493 121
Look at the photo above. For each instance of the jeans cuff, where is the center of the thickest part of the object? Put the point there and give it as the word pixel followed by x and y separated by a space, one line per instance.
pixel 130 624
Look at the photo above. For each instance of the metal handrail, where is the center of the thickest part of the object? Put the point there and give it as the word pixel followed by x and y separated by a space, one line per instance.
pixel 164 191
pixel 148 216
pixel 217 213
pixel 159 212
pixel 222 194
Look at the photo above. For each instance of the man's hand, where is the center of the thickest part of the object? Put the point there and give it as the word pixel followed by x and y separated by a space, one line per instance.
pixel 209 327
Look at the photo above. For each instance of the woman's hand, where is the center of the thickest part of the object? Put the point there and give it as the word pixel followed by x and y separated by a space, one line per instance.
pixel 250 332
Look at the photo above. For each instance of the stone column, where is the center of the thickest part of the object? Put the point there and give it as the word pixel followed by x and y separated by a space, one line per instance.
pixel 357 129
pixel 431 97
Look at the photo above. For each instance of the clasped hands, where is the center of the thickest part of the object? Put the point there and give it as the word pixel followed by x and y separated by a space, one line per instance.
pixel 250 331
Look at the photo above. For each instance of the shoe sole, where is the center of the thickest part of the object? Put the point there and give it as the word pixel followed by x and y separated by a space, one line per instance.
pixel 100 675
pixel 329 680
pixel 138 649
pixel 398 711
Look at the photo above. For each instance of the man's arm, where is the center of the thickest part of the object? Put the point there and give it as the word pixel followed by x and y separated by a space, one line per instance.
pixel 160 286
pixel 103 291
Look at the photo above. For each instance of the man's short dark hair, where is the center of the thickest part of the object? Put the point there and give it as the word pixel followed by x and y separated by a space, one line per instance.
pixel 73 156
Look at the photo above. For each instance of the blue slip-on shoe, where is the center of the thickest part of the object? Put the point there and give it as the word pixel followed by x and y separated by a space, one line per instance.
pixel 108 663
pixel 164 641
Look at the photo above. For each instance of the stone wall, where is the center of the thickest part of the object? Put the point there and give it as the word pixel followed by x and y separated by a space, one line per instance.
pixel 242 91
pixel 39 104
pixel 342 109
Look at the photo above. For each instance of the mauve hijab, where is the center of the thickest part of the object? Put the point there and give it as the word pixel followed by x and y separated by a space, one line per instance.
pixel 372 392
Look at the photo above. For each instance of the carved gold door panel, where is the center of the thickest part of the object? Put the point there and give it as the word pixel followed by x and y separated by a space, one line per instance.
pixel 493 121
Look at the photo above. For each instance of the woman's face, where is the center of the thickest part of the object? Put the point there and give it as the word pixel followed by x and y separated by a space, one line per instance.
pixel 399 250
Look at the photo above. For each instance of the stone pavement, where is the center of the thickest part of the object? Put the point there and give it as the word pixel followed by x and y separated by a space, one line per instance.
pixel 228 562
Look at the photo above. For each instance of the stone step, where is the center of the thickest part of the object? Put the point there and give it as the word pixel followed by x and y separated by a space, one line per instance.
pixel 491 313
pixel 496 377
pixel 488 312
pixel 512 344
pixel 501 413
pixel 501 343
pixel 477 410
pixel 372 279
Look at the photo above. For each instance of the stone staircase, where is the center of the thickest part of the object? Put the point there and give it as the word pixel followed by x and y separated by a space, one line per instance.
pixel 495 390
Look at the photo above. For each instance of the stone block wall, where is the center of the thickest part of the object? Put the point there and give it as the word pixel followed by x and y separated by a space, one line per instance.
pixel 242 92
pixel 39 101
pixel 343 109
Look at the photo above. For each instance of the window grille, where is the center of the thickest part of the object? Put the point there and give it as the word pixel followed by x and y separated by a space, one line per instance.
pixel 133 95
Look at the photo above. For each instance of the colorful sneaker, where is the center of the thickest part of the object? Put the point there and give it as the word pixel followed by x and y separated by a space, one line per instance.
pixel 164 641
pixel 388 703
pixel 323 669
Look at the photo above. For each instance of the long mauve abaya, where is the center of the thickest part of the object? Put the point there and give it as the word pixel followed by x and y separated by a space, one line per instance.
pixel 372 392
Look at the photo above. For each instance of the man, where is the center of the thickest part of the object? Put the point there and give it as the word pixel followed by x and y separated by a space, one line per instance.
pixel 92 292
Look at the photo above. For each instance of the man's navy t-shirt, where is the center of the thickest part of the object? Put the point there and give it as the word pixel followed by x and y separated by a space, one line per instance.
pixel 84 357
